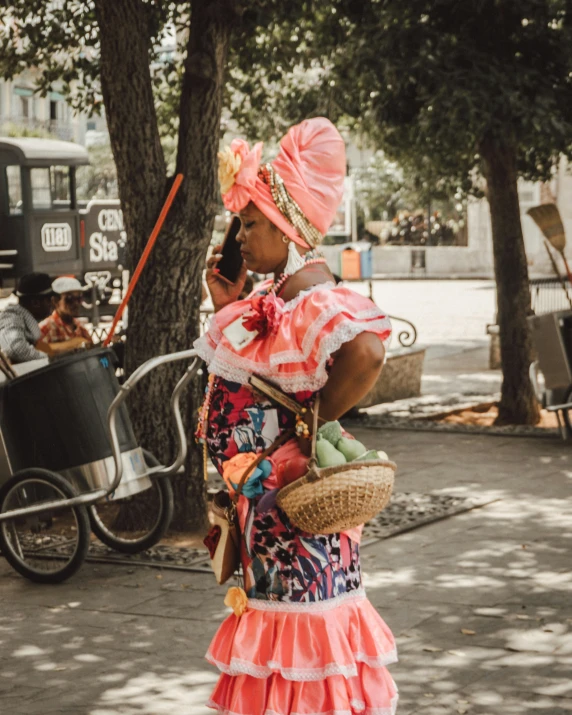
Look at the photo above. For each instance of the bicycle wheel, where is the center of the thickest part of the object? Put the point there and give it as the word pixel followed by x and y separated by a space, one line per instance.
pixel 49 546
pixel 137 522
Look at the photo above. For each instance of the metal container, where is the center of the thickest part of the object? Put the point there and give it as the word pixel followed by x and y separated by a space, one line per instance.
pixel 56 418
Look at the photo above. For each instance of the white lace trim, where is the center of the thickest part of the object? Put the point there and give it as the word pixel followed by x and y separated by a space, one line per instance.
pixel 238 666
pixel 216 333
pixel 291 304
pixel 230 366
pixel 243 667
pixel 329 604
pixel 355 704
pixel 312 332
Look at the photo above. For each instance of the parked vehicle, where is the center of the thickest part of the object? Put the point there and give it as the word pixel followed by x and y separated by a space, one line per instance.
pixel 44 228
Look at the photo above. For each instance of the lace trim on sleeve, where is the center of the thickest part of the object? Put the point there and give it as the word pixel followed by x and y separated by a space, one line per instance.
pixel 230 366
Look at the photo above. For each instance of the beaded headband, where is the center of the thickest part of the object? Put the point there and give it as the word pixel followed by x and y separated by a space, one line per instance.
pixel 288 207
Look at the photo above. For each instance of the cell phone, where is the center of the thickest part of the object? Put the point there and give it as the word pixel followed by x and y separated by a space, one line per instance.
pixel 231 262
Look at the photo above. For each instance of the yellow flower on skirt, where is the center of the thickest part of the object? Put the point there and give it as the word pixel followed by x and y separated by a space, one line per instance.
pixel 236 599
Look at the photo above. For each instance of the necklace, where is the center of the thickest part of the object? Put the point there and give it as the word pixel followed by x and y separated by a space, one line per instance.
pixel 312 257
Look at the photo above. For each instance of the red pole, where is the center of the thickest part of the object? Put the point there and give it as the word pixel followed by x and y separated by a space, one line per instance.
pixel 144 256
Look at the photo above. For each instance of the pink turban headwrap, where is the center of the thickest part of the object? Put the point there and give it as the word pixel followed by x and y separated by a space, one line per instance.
pixel 311 163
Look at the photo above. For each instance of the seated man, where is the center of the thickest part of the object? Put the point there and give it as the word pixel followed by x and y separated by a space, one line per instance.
pixel 20 335
pixel 62 325
pixel 19 329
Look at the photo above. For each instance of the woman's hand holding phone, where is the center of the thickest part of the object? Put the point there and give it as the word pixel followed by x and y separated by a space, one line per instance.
pixel 222 291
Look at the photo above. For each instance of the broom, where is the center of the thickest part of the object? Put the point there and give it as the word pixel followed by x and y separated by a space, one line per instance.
pixel 547 218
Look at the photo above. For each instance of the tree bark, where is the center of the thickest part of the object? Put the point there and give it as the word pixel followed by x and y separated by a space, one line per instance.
pixel 518 404
pixel 164 309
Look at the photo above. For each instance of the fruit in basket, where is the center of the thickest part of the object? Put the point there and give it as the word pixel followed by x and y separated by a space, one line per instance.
pixel 327 454
pixel 381 455
pixel 350 448
pixel 369 455
pixel 332 431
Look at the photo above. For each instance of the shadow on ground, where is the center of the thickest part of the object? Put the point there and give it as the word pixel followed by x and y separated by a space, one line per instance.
pixel 481 603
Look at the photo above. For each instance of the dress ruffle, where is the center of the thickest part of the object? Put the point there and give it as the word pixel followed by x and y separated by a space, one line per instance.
pixel 371 692
pixel 305 658
pixel 311 328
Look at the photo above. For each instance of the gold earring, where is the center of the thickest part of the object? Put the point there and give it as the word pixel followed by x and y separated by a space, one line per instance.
pixel 285 239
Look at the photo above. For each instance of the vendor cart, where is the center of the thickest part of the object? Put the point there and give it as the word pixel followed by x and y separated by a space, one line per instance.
pixel 551 372
pixel 70 464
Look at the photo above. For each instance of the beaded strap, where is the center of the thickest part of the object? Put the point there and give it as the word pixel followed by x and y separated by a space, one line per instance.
pixel 288 207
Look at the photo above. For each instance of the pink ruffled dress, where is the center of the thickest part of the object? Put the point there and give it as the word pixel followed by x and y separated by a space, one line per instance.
pixel 309 642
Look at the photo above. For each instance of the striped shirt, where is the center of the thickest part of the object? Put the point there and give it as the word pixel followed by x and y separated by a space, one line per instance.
pixel 19 332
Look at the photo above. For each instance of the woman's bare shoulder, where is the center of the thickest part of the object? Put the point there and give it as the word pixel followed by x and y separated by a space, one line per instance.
pixel 304 279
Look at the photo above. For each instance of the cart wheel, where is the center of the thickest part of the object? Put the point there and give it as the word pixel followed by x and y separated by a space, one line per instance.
pixel 49 546
pixel 567 414
pixel 137 522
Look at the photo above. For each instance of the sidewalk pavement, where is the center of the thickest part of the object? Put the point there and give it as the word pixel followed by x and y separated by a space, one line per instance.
pixel 459 369
pixel 455 375
pixel 481 603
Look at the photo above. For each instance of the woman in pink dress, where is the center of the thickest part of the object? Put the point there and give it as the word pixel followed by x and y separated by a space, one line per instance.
pixel 303 638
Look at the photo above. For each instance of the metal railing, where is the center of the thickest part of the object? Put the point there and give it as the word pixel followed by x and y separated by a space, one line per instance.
pixel 548 295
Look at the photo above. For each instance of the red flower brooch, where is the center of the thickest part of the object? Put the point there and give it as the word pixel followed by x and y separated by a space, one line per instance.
pixel 265 314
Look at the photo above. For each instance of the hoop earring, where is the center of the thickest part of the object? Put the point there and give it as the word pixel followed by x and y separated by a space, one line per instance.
pixel 285 239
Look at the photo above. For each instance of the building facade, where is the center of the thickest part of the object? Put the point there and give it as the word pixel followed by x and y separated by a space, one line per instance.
pixel 20 106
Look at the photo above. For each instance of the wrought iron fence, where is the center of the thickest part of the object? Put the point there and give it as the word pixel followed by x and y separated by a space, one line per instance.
pixel 549 295
pixel 406 337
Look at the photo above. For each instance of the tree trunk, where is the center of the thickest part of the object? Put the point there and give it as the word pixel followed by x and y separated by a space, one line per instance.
pixel 164 309
pixel 518 404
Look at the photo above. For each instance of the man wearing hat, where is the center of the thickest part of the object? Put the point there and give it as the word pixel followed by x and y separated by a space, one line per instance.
pixel 20 335
pixel 19 329
pixel 63 326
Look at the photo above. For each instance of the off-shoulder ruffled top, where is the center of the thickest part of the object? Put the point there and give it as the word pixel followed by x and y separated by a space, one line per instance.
pixel 296 338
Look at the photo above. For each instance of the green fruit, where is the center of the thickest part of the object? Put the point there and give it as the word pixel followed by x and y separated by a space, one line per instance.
pixel 331 431
pixel 350 448
pixel 382 455
pixel 327 454
pixel 372 454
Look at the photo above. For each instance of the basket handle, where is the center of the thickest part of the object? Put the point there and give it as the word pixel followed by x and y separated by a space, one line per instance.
pixel 313 461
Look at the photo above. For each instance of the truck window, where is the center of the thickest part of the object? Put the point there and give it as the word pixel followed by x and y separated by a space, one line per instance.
pixel 14 184
pixel 51 187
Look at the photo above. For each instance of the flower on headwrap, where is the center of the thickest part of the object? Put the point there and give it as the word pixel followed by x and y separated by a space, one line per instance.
pixel 228 167
pixel 238 172
pixel 265 314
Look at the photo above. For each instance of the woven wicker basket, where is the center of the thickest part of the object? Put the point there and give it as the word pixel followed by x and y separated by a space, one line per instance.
pixel 333 499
